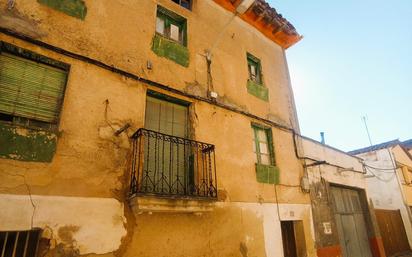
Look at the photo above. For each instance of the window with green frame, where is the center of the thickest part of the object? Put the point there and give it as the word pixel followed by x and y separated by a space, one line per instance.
pixel 171 26
pixel 255 69
pixel 31 88
pixel 263 145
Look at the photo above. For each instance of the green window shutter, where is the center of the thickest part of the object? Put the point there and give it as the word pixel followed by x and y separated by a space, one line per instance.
pixel 258 90
pixel 270 144
pixel 75 8
pixel 30 89
pixel 268 174
pixel 166 117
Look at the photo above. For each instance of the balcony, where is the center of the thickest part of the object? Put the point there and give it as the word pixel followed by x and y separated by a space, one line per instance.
pixel 178 170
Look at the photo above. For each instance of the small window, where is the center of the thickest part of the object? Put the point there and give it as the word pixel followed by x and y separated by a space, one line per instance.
pixel 171 25
pixel 255 70
pixel 19 243
pixel 184 3
pixel 31 93
pixel 262 145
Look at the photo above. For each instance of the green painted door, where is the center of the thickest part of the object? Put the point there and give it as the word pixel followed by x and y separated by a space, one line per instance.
pixel 166 156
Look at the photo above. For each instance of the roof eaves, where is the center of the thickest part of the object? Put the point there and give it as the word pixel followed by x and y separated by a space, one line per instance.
pixel 330 147
pixel 375 147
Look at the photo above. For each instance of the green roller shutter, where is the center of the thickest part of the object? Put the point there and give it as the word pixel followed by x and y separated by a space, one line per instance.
pixel 30 89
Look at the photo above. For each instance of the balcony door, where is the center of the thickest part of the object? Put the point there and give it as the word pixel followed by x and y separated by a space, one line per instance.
pixel 166 117
pixel 166 156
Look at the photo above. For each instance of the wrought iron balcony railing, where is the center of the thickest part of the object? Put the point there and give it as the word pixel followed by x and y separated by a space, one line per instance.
pixel 172 166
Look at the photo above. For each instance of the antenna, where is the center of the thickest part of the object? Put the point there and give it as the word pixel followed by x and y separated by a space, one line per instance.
pixel 367 130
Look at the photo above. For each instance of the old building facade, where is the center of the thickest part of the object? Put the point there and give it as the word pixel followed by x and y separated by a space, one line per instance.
pixel 388 168
pixel 149 128
pixel 344 220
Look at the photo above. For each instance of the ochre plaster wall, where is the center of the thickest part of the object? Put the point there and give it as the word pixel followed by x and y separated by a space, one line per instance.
pixel 231 229
pixel 91 163
pixel 120 33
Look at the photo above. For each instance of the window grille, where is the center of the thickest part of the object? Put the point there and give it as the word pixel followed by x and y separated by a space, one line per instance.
pixel 19 243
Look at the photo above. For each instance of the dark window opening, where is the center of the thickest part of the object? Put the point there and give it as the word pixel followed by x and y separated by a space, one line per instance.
pixel 6 117
pixel 19 243
pixel 184 3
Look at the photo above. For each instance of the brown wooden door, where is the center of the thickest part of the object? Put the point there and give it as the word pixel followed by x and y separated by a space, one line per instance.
pixel 392 231
pixel 288 239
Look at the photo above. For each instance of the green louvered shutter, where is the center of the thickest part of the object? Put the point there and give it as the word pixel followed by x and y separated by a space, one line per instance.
pixel 30 89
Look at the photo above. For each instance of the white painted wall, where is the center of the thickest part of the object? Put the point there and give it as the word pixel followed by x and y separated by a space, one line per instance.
pixel 383 187
pixel 272 227
pixel 100 221
pixel 347 171
pixel 321 152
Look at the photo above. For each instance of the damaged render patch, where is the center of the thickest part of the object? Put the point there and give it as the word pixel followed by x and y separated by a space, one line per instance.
pixel 27 144
pixel 66 233
pixel 195 89
pixel 224 100
pixel 14 21
pixel 243 249
pixel 107 133
pixel 274 118
pixel 68 246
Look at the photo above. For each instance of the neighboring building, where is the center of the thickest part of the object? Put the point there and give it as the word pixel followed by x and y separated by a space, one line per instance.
pixel 388 169
pixel 149 128
pixel 408 145
pixel 344 223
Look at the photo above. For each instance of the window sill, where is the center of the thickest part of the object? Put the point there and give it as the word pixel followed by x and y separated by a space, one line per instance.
pixel 258 90
pixel 171 50
pixel 26 144
pixel 141 204
pixel 268 174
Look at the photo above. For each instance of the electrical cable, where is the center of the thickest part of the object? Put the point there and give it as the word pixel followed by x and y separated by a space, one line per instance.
pixel 277 203
pixel 378 177
pixel 376 168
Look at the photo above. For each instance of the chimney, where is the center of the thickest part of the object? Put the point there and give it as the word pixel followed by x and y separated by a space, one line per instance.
pixel 322 137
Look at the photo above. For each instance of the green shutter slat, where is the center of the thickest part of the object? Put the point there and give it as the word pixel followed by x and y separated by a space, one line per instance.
pixel 29 89
pixel 166 117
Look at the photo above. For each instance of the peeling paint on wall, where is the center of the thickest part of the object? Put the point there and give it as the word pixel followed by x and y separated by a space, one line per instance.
pixel 78 225
pixel 74 8
pixel 171 50
pixel 257 90
pixel 15 21
pixel 26 144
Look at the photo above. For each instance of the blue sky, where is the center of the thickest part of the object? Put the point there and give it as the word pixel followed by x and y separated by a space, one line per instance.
pixel 355 60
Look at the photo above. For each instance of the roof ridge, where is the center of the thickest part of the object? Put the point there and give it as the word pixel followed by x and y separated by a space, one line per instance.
pixel 375 147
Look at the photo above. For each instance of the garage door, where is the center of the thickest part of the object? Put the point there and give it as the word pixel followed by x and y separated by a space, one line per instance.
pixel 350 222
